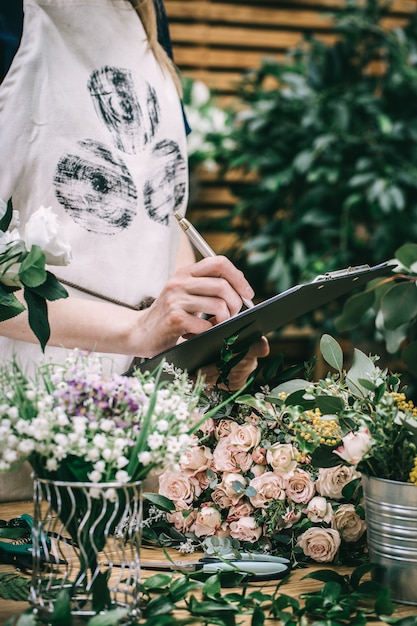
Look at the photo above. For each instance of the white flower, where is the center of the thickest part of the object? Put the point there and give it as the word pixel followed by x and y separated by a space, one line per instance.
pixel 122 476
pixel 144 457
pixel 95 476
pixel 155 441
pixel 42 229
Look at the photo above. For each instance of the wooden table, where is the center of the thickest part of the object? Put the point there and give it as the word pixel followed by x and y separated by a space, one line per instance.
pixel 294 587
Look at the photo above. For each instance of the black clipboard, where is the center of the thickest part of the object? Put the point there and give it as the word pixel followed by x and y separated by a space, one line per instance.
pixel 265 317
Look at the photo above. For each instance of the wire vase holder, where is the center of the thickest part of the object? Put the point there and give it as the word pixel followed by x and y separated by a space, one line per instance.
pixel 86 544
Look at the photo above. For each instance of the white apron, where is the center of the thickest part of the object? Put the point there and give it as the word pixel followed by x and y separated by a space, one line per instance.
pixel 91 126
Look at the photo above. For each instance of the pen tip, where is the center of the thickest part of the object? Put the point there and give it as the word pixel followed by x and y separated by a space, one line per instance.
pixel 178 216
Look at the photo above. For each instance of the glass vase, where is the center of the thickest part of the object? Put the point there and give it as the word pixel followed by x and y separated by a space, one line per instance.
pixel 86 543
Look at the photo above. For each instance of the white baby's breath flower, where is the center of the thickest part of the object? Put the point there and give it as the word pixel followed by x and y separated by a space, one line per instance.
pixel 155 440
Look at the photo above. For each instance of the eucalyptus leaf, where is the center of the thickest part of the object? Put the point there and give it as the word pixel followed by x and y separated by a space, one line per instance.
pixel 362 367
pixel 355 307
pixel 329 405
pixel 332 352
pixel 407 254
pixel 399 304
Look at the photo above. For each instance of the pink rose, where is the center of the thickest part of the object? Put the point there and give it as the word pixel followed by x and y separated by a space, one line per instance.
pixel 182 520
pixel 224 427
pixel 331 480
pixel 208 427
pixel 320 544
pixel 291 516
pixel 242 509
pixel 350 526
pixel 258 470
pixel 241 460
pixel 203 480
pixel 259 456
pixel 300 487
pixel 196 459
pixel 245 529
pixel 268 487
pixel 245 437
pixel 228 485
pixel 221 499
pixel 281 457
pixel 222 456
pixel 207 521
pixel 355 446
pixel 319 510
pixel 176 487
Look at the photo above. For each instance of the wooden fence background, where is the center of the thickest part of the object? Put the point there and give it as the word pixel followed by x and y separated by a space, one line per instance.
pixel 216 40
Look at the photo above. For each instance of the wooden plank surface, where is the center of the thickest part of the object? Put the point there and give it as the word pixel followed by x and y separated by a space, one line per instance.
pixel 294 587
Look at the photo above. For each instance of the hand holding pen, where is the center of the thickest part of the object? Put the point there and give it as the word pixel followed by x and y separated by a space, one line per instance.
pixel 201 245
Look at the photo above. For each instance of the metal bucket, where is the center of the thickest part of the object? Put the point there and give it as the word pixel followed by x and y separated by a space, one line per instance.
pixel 391 518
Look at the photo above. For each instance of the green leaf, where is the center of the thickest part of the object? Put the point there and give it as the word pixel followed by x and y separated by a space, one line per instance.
pixel 10 309
pixel 161 502
pixel 362 367
pixel 61 615
pixel 329 405
pixel 160 605
pixel 399 305
pixel 38 316
pixel 353 311
pixel 409 356
pixel 326 576
pixel 14 586
pixel 7 217
pixel 384 604
pixel 51 289
pixel 32 270
pixel 407 254
pixel 258 616
pixel 157 581
pixel 332 352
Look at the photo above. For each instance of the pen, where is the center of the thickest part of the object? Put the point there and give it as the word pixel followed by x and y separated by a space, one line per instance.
pixel 202 246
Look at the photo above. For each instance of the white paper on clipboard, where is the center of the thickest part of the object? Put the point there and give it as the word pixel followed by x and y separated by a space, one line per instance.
pixel 266 317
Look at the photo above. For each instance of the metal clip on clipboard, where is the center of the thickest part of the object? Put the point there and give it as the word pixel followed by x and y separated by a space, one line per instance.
pixel 341 273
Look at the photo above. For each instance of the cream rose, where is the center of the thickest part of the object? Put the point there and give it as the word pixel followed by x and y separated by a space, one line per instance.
pixel 245 437
pixel 43 230
pixel 221 499
pixel 245 529
pixel 207 522
pixel 281 457
pixel 176 487
pixel 300 487
pixel 269 486
pixel 331 480
pixel 320 544
pixel 319 510
pixel 350 526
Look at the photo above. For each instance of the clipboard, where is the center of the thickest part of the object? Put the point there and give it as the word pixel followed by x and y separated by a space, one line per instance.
pixel 265 317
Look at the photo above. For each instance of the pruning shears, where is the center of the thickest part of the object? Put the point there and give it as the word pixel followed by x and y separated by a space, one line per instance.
pixel 258 566
pixel 18 550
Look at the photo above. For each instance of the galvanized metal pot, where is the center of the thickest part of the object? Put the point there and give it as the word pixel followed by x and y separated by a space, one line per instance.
pixel 391 517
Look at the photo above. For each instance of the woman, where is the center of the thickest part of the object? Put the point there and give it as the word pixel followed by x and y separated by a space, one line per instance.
pixel 92 125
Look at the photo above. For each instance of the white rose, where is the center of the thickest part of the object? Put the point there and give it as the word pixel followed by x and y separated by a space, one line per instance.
pixel 281 457
pixel 42 229
pixel 319 510
pixel 355 446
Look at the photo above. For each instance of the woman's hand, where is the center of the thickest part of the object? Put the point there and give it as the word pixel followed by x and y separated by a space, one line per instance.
pixel 213 286
pixel 240 373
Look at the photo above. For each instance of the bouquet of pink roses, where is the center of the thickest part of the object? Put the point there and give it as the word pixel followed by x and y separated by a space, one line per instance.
pixel 280 471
